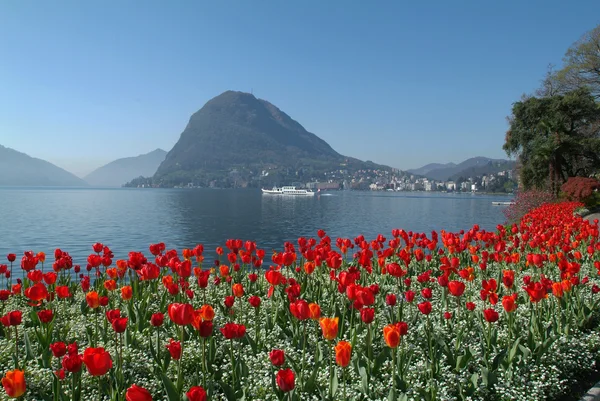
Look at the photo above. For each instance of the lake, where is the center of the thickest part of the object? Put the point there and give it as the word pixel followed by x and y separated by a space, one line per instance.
pixel 42 219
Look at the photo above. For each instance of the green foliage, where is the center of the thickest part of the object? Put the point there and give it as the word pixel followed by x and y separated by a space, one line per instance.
pixel 555 138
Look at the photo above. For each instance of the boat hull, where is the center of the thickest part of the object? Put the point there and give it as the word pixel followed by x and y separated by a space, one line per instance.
pixel 287 193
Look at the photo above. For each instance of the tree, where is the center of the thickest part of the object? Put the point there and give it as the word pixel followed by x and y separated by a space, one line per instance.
pixel 581 68
pixel 555 138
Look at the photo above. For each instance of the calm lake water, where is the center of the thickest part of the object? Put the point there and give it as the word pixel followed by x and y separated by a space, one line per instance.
pixel 42 219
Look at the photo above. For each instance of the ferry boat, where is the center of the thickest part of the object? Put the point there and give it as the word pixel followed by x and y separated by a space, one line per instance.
pixel 287 191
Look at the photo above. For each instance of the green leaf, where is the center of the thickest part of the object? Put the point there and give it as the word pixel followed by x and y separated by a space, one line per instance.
pixel 334 384
pixel 28 351
pixel 392 395
pixel 170 389
pixel 463 360
pixel 229 392
pixel 364 380
pixel 513 350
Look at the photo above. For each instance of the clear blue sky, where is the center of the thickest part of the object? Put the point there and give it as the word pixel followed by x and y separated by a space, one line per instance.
pixel 397 82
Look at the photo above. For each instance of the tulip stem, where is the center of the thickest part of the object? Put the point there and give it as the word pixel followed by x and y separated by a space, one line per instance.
pixel 232 362
pixel 204 362
pixel 330 369
pixel 303 354
pixel 344 380
pixel 179 366
pixel 16 347
pixel 394 370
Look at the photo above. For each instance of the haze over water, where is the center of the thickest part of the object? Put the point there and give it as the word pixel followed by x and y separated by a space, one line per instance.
pixel 42 219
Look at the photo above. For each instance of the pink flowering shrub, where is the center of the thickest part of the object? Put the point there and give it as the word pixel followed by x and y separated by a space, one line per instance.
pixel 525 201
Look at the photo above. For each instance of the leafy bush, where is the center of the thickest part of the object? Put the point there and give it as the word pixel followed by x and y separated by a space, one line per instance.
pixel 525 201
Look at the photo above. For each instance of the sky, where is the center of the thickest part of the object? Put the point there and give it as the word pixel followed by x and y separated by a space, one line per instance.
pixel 400 83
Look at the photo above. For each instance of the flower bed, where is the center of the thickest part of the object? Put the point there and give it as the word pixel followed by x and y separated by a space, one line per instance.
pixel 505 315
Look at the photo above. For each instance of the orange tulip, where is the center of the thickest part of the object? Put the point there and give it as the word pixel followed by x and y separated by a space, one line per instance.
pixel 126 293
pixel 110 285
pixel 207 312
pixel 557 290
pixel 14 383
pixel 329 327
pixel 309 267
pixel 314 311
pixel 391 335
pixel 238 290
pixel 92 299
pixel 343 351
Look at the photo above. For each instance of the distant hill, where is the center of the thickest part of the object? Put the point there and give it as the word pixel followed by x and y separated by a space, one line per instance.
pixel 121 171
pixel 19 169
pixel 236 138
pixel 430 167
pixel 472 167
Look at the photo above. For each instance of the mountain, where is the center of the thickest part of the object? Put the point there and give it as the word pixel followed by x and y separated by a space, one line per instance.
pixel 429 167
pixel 19 169
pixel 472 167
pixel 237 139
pixel 121 171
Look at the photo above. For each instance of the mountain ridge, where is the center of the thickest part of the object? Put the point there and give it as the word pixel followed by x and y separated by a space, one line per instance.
pixel 20 169
pixel 121 171
pixel 478 165
pixel 236 137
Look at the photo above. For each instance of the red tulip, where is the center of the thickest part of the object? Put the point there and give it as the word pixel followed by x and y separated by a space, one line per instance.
pixel 119 325
pixel 11 257
pixel 13 318
pixel 63 292
pixel 470 306
pixel 157 319
pixel 233 330
pixel 229 301
pixel 285 380
pixel 425 307
pixel 181 314
pixel 174 348
pixel 456 288
pixel 490 315
pixel 254 301
pixel 299 309
pixel 205 328
pixel 72 361
pixel 58 349
pixel 111 315
pixel 37 292
pixel 390 299
pixel 277 357
pixel 196 393
pixel 97 361
pixel 136 393
pixel 508 302
pixel 367 315
pixel 45 315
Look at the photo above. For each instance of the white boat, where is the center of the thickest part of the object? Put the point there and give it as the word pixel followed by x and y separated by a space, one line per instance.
pixel 287 191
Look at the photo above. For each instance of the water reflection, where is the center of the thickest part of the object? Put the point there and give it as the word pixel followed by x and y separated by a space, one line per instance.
pixel 131 219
